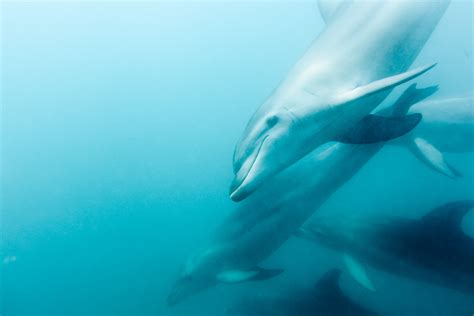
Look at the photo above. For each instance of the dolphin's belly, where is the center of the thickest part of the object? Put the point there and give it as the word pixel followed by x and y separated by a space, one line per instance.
pixel 397 247
pixel 400 267
pixel 404 266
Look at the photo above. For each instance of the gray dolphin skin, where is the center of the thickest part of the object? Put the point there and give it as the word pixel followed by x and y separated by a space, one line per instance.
pixel 447 123
pixel 447 127
pixel 362 54
pixel 262 223
pixel 431 249
pixel 324 298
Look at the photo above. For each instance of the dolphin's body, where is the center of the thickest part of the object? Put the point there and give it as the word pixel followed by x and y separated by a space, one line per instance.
pixel 431 249
pixel 325 298
pixel 447 123
pixel 347 72
pixel 261 224
pixel 447 127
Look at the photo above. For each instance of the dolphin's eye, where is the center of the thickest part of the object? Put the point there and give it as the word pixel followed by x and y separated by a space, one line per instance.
pixel 272 120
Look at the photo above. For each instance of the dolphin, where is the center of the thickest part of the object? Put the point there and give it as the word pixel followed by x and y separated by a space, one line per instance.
pixel 431 249
pixel 324 298
pixel 261 224
pixel 362 54
pixel 447 127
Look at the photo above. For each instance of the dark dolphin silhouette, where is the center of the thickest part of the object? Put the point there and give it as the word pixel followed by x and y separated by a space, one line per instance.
pixel 432 249
pixel 324 299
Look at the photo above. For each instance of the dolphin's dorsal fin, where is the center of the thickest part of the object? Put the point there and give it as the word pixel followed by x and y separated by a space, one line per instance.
pixel 328 8
pixel 411 96
pixel 449 216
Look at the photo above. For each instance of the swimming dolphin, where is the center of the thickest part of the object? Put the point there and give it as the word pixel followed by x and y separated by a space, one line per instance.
pixel 262 223
pixel 447 127
pixel 431 249
pixel 324 298
pixel 361 55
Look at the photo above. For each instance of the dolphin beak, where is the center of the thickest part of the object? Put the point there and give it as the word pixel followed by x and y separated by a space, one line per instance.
pixel 237 192
pixel 235 184
pixel 244 185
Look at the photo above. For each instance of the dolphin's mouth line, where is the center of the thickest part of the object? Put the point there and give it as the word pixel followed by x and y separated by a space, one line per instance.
pixel 253 163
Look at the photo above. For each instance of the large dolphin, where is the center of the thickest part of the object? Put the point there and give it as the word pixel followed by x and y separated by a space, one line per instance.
pixel 262 223
pixel 364 52
pixel 324 298
pixel 447 127
pixel 432 249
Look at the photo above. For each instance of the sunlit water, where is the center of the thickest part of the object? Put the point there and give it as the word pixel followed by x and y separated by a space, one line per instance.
pixel 119 121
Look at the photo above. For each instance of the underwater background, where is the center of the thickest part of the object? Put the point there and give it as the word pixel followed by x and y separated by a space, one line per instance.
pixel 118 125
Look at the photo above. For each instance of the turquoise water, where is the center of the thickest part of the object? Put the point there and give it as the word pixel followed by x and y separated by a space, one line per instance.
pixel 119 121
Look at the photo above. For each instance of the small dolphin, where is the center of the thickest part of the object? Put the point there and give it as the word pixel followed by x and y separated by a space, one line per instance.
pixel 324 298
pixel 262 223
pixel 362 54
pixel 447 127
pixel 431 249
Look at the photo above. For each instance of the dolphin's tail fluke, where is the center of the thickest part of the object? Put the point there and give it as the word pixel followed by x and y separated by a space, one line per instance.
pixel 410 97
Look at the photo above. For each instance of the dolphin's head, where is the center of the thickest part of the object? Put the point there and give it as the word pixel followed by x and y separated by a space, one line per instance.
pixel 198 274
pixel 295 120
pixel 261 152
pixel 289 125
pixel 274 139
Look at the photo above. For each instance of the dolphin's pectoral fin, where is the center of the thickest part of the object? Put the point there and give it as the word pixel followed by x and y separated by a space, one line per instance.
pixel 411 96
pixel 265 274
pixel 373 129
pixel 381 85
pixel 257 274
pixel 357 271
pixel 432 157
pixel 235 276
